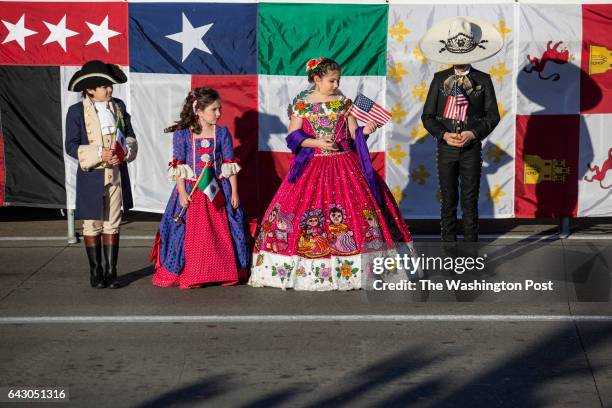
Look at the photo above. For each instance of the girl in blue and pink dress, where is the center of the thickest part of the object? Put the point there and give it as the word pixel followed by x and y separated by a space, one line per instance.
pixel 201 241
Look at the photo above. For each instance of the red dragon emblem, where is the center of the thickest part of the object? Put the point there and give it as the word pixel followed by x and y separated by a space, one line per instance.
pixel 600 172
pixel 551 54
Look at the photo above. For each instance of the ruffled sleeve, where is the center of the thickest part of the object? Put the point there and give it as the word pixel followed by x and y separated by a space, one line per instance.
pixel 178 170
pixel 178 167
pixel 230 165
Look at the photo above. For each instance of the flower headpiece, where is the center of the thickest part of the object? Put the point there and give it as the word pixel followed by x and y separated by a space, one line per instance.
pixel 313 63
pixel 194 101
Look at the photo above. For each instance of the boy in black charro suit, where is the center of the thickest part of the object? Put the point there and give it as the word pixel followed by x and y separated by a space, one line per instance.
pixel 460 111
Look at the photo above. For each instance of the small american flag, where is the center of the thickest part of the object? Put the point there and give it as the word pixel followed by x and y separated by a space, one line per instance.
pixel 457 104
pixel 366 110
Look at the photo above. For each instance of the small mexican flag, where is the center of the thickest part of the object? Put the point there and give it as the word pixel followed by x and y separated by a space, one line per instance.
pixel 120 146
pixel 209 186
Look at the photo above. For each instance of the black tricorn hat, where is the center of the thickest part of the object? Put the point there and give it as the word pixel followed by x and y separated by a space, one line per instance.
pixel 94 74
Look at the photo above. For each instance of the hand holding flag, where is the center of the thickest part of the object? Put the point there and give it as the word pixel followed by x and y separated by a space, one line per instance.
pixel 366 110
pixel 207 183
pixel 457 104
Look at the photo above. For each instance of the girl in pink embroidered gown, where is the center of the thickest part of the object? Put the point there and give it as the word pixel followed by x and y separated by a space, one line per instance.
pixel 332 207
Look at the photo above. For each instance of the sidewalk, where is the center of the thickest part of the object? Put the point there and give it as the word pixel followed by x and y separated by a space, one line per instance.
pixel 22 221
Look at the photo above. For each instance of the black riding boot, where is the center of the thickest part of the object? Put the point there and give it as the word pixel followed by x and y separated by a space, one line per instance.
pixel 111 252
pixel 93 248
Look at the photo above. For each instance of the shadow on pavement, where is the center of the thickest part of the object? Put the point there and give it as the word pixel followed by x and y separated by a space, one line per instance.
pixel 521 380
pixel 128 278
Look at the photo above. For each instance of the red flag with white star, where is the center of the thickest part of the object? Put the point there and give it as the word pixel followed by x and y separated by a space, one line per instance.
pixel 41 33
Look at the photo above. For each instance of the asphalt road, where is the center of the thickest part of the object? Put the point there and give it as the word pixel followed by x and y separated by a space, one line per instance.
pixel 143 346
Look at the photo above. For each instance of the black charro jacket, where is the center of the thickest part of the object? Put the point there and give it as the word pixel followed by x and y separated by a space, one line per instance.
pixel 482 114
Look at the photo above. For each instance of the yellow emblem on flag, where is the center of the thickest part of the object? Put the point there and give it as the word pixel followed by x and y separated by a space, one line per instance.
pixel 419 92
pixel 397 113
pixel 397 154
pixel 495 194
pixel 419 133
pixel 503 29
pixel 495 153
pixel 600 59
pixel 538 170
pixel 398 31
pixel 499 72
pixel 396 72
pixel 502 111
pixel 398 194
pixel 418 55
pixel 420 175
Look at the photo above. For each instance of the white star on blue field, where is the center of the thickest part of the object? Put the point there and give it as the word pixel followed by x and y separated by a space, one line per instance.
pixel 193 38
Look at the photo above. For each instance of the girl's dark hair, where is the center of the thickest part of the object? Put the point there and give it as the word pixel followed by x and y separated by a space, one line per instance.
pixel 325 67
pixel 188 119
pixel 335 210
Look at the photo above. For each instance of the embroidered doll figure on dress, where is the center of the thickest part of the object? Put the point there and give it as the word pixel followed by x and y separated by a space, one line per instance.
pixel 278 238
pixel 267 227
pixel 340 236
pixel 329 186
pixel 313 240
pixel 99 135
pixel 373 236
pixel 201 237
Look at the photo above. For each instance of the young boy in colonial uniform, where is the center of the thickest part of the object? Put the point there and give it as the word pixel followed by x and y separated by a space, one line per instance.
pixel 99 135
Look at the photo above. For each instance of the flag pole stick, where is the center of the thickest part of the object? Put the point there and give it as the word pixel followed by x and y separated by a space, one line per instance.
pixel 114 136
pixel 179 218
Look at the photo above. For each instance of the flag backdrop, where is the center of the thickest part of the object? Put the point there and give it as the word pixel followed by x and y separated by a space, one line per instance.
pixel 550 155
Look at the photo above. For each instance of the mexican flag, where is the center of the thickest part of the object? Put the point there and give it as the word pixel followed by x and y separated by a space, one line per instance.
pixel 288 35
pixel 209 186
pixel 120 147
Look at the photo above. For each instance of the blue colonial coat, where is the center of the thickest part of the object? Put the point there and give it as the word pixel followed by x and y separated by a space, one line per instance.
pixel 90 184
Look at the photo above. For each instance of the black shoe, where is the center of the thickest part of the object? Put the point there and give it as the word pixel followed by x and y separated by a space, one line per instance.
pixel 111 253
pixel 94 255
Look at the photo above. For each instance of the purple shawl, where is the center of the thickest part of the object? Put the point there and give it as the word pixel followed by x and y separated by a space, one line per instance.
pixel 361 147
pixel 304 154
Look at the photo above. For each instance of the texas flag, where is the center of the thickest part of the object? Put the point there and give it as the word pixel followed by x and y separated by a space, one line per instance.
pixel 175 47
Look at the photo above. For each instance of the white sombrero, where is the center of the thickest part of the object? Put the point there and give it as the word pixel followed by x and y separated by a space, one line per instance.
pixel 461 40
